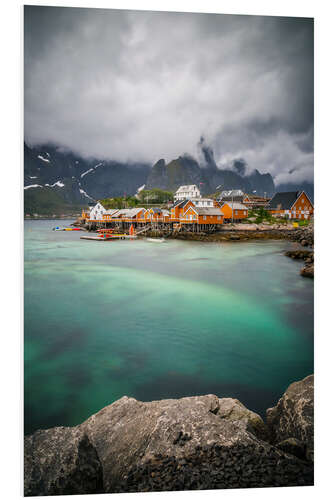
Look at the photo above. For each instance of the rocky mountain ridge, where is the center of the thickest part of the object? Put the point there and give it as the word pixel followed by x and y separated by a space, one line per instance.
pixel 207 176
pixel 201 442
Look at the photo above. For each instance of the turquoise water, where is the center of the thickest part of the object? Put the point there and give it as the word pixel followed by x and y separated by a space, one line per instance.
pixel 152 321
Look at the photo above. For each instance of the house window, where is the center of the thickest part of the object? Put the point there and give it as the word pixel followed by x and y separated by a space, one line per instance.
pixel 219 217
pixel 302 200
pixel 244 212
pixel 204 217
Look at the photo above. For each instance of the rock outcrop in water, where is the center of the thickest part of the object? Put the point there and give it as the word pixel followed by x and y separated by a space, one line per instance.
pixel 292 417
pixel 201 442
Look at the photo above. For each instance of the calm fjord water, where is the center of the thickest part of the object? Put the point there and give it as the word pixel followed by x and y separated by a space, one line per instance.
pixel 154 321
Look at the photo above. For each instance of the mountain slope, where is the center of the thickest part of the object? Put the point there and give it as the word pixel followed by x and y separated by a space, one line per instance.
pixel 67 179
pixel 186 170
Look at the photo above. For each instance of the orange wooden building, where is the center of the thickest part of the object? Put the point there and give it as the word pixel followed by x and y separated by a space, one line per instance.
pixel 178 209
pixel 291 205
pixel 202 216
pixel 107 216
pixel 234 211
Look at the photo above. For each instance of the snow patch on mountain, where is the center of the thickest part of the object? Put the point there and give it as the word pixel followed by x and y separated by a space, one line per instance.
pixel 91 169
pixel 44 159
pixel 82 191
pixel 33 186
pixel 87 172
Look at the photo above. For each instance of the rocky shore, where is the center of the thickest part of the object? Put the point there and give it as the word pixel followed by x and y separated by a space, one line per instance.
pixel 241 232
pixel 308 257
pixel 306 238
pixel 245 232
pixel 201 442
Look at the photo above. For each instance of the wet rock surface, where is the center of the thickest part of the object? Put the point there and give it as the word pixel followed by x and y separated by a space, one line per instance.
pixel 201 442
pixel 307 271
pixel 305 237
pixel 293 415
pixel 308 257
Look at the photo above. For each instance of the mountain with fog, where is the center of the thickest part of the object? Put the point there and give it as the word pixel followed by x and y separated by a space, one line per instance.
pixel 58 180
pixel 210 178
pixel 69 180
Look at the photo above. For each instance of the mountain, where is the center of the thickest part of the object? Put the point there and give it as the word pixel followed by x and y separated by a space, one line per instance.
pixel 183 170
pixel 68 180
pixel 57 180
pixel 186 170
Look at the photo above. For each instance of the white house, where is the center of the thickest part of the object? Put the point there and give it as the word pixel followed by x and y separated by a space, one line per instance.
pixel 203 202
pixel 187 192
pixel 96 212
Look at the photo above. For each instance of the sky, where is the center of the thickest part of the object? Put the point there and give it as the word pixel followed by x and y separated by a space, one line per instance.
pixel 139 86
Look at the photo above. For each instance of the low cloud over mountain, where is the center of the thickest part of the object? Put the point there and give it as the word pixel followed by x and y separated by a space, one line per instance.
pixel 138 86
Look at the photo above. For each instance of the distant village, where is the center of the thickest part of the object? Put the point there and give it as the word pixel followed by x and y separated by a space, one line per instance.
pixel 194 212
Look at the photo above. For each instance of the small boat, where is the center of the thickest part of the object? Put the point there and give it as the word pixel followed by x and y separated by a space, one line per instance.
pixel 105 237
pixel 157 240
pixel 57 228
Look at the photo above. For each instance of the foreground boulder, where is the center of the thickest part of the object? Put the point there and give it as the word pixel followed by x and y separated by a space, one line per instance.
pixel 200 442
pixel 292 417
pixel 61 461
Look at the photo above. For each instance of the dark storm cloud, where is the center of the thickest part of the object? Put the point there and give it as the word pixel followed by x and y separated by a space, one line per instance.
pixel 143 85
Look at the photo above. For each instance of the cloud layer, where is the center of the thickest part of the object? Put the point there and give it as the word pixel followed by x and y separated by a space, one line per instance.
pixel 138 86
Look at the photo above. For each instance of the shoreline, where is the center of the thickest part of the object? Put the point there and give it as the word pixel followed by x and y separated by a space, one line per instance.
pixel 303 235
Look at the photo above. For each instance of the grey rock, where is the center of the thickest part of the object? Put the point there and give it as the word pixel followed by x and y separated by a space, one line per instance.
pixel 293 446
pixel 130 431
pixel 61 461
pixel 308 270
pixel 293 416
pixel 234 411
pixel 199 442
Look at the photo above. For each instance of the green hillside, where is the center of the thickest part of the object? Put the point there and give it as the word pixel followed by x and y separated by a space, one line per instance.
pixel 46 201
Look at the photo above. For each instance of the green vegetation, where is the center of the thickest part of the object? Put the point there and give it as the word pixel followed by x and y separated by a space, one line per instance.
pixel 155 196
pixel 214 196
pixel 260 215
pixel 145 198
pixel 120 202
pixel 304 222
pixel 45 201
